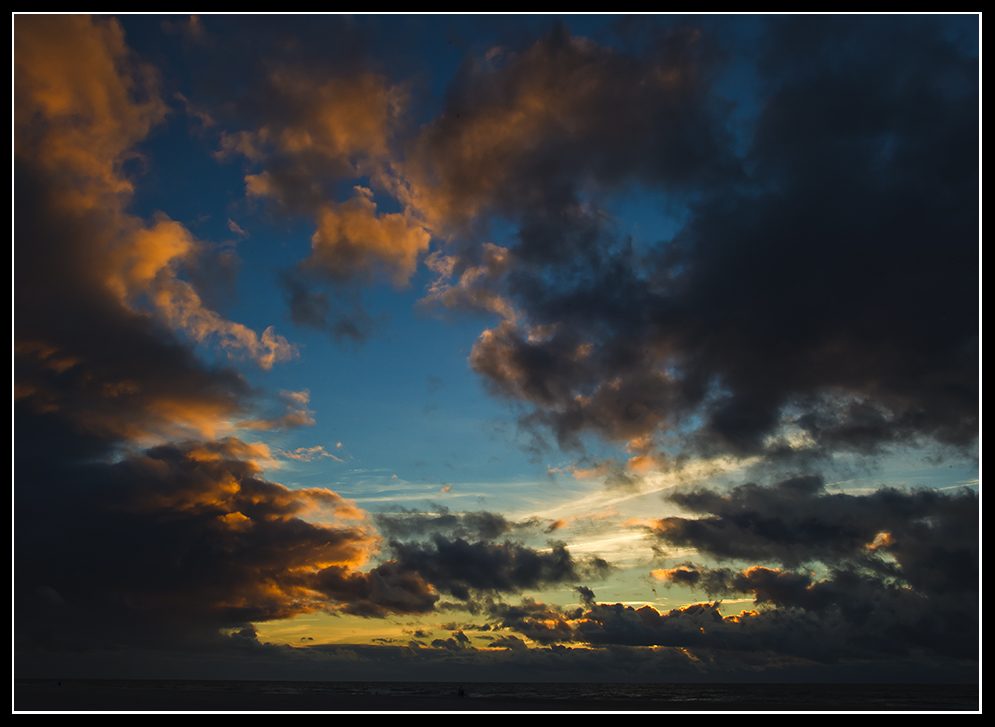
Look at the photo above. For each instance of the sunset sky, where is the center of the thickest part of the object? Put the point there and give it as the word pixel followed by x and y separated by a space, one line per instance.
pixel 496 347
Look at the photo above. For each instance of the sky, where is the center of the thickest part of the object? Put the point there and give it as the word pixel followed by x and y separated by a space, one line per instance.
pixel 594 348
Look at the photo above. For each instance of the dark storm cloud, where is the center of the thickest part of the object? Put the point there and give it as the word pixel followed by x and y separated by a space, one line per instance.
pixel 382 591
pixel 902 566
pixel 457 642
pixel 479 525
pixel 827 299
pixel 542 623
pixel 508 642
pixel 849 616
pixel 901 579
pixel 471 554
pixel 460 567
pixel 173 544
pixel 926 537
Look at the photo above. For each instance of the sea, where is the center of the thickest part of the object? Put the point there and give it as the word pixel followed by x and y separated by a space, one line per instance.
pixel 104 695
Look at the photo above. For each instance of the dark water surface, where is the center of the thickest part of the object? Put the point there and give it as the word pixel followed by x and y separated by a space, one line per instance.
pixel 202 695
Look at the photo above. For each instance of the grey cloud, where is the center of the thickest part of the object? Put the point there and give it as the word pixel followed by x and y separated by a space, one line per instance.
pixel 341 316
pixel 171 545
pixel 902 567
pixel 831 293
pixel 523 129
pixel 479 525
pixel 932 535
pixel 383 591
pixel 461 567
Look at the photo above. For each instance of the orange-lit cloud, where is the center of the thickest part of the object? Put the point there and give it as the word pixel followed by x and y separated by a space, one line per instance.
pixel 342 121
pixel 187 533
pixel 590 472
pixel 642 463
pixel 325 129
pixel 75 111
pixel 82 103
pixel 273 541
pixel 352 240
pixel 680 576
pixel 471 291
pixel 515 111
pixel 159 396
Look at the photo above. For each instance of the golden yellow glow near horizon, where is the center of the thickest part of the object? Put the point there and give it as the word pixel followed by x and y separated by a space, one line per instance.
pixel 324 628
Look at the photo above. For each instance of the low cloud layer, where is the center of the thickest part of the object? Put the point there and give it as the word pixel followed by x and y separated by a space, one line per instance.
pixel 901 568
pixel 476 555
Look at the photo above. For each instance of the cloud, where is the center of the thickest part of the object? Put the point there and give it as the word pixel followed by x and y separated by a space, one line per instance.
pixel 517 131
pixel 932 536
pixel 95 283
pixel 902 566
pixel 471 554
pixel 307 454
pixel 523 127
pixel 382 591
pixel 461 567
pixel 806 305
pixel 129 531
pixel 314 309
pixel 304 124
pixel 899 579
pixel 76 111
pixel 175 543
pixel 471 291
pixel 536 621
pixel 458 642
pixel 297 414
pixel 307 127
pixel 870 626
pixel 303 117
pixel 798 309
pixel 314 129
pixel 819 295
pixel 352 239
pixel 481 525
pixel 507 641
